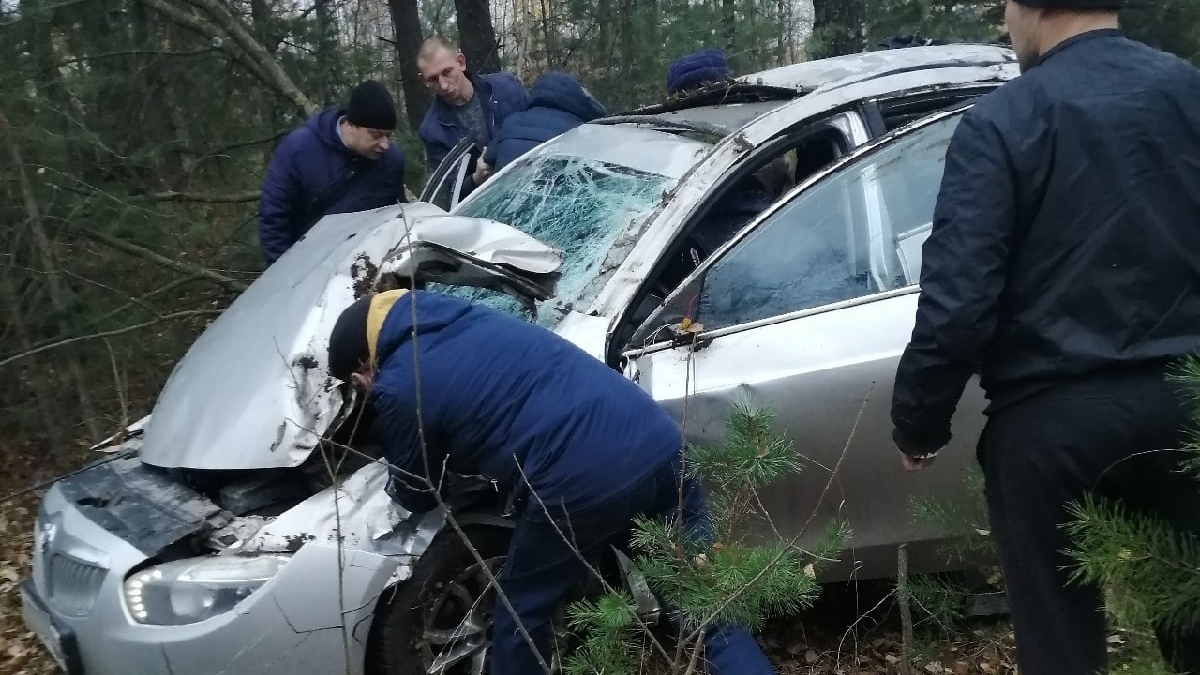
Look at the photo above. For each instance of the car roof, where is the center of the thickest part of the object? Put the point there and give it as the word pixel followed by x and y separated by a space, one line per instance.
pixel 842 70
pixel 759 93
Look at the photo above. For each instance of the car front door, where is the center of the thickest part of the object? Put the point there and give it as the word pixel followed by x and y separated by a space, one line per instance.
pixel 807 310
pixel 445 186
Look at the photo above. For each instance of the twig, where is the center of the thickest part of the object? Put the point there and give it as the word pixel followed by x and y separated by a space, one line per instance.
pixel 175 196
pixel 906 627
pixel 51 481
pixel 143 252
pixel 437 493
pixel 107 333
pixel 791 544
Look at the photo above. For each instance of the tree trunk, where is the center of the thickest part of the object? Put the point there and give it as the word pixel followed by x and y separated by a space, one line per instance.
pixel 729 32
pixel 476 37
pixel 407 24
pixel 270 115
pixel 326 53
pixel 58 302
pixel 839 23
pixel 51 423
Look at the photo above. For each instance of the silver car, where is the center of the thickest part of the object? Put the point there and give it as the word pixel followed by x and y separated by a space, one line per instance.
pixel 230 531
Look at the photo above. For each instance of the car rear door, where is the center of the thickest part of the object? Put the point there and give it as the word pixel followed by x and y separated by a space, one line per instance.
pixel 808 310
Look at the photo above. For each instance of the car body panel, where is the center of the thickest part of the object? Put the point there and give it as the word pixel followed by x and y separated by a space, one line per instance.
pixel 839 70
pixel 253 391
pixel 820 368
pixel 614 291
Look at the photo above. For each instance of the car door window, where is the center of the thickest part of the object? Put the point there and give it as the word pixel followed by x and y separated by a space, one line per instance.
pixel 444 187
pixel 856 232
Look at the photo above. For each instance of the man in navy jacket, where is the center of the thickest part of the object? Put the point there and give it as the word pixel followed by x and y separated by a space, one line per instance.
pixel 510 400
pixel 1063 267
pixel 340 161
pixel 557 104
pixel 465 104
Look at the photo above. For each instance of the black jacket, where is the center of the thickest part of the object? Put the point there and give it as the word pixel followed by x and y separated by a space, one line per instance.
pixel 1066 239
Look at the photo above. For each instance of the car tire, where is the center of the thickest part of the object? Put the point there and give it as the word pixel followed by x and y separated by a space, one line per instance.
pixel 408 614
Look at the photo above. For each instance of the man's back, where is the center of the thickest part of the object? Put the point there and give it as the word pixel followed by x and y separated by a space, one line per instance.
pixel 495 387
pixel 1105 152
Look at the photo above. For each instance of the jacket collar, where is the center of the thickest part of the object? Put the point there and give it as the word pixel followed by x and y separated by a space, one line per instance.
pixel 483 89
pixel 1076 39
pixel 380 305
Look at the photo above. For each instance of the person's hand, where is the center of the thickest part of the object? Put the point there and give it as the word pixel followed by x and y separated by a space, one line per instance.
pixel 914 455
pixel 914 463
pixel 482 171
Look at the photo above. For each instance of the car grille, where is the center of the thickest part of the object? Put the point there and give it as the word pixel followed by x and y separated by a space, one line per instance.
pixel 73 584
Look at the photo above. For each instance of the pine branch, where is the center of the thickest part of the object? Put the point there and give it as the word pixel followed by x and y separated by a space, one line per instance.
pixel 1152 571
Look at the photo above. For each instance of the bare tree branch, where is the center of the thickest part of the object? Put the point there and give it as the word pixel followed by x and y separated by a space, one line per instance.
pixel 257 61
pixel 266 63
pixel 133 52
pixel 175 196
pixel 108 333
pixel 177 265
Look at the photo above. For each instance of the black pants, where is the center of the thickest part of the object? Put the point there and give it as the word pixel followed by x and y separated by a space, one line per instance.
pixel 1047 451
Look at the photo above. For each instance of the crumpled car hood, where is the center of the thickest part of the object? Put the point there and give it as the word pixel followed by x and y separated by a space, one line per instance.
pixel 253 391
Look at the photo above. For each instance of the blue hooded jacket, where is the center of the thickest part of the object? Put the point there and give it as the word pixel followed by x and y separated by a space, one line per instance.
pixel 500 94
pixel 557 104
pixel 496 392
pixel 313 174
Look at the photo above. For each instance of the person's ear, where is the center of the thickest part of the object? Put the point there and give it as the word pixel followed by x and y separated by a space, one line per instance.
pixel 461 59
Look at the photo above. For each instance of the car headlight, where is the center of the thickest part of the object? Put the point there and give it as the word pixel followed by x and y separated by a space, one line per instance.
pixel 189 591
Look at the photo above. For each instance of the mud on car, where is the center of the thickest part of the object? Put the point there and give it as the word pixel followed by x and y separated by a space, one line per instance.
pixel 231 531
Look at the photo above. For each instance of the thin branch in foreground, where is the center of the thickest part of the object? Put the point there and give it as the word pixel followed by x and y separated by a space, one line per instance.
pixel 107 333
pixel 201 198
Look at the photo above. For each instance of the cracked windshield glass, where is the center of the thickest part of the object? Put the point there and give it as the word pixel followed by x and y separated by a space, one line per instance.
pixel 576 204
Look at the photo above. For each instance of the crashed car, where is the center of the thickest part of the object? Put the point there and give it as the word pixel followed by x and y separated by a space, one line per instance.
pixel 242 526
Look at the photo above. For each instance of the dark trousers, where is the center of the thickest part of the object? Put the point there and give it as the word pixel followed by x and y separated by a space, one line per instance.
pixel 1096 436
pixel 542 567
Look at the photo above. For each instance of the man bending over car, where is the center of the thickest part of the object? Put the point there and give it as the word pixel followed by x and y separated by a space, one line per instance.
pixel 586 449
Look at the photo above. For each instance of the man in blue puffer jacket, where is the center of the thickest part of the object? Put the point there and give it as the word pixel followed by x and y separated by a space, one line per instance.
pixel 340 161
pixel 557 104
pixel 465 104
pixel 512 401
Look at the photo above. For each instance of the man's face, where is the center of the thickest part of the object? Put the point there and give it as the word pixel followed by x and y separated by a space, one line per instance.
pixel 444 73
pixel 1023 28
pixel 370 143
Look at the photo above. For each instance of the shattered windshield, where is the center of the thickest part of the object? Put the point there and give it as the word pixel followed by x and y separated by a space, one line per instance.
pixel 577 204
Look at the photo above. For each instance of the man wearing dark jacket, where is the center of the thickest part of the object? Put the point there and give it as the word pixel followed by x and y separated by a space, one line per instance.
pixel 512 401
pixel 340 161
pixel 1064 265
pixel 557 104
pixel 465 104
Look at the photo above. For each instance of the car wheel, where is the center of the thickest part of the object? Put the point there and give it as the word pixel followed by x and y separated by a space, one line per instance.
pixel 440 620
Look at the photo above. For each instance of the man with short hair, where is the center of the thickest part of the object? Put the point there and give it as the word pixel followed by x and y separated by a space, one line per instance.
pixel 1064 265
pixel 464 104
pixel 588 449
pixel 340 161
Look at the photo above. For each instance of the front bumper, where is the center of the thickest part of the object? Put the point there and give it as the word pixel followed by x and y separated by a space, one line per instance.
pixel 292 624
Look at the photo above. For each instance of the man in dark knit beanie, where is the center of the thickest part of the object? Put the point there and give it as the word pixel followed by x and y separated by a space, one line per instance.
pixel 341 161
pixel 1063 266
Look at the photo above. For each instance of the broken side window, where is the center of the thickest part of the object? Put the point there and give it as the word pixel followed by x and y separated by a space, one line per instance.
pixel 854 233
